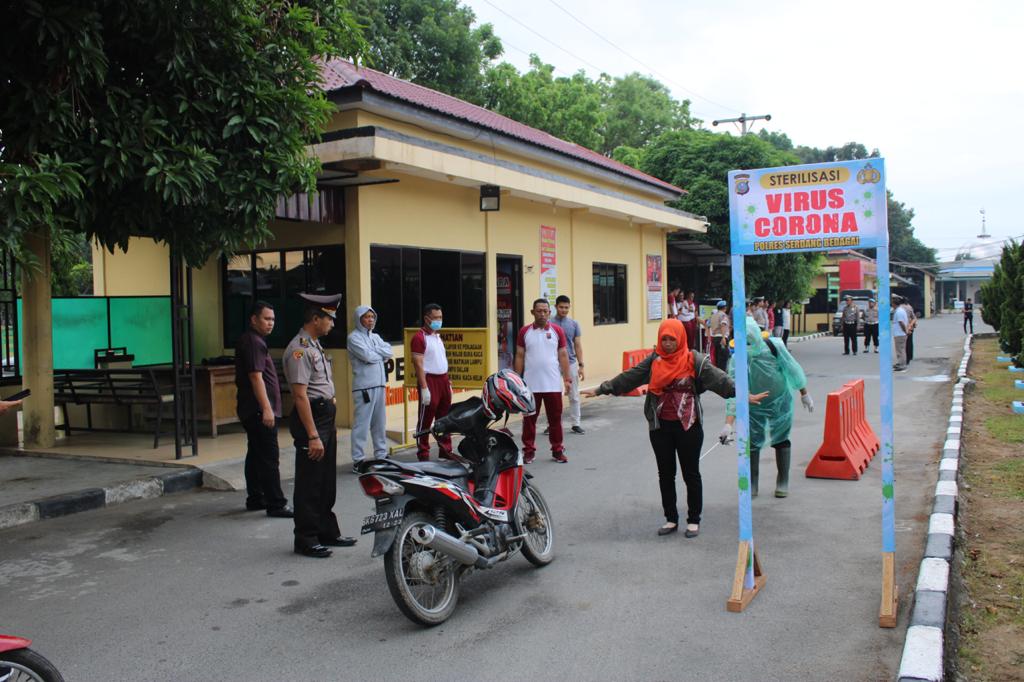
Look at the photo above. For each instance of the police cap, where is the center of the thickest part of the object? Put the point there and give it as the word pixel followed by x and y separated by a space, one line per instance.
pixel 324 304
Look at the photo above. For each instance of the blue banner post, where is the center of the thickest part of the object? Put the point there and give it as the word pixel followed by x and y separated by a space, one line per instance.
pixel 748 579
pixel 888 608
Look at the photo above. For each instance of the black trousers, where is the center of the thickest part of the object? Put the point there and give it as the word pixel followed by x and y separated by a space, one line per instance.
pixel 968 320
pixel 721 352
pixel 910 347
pixel 316 483
pixel 262 465
pixel 785 337
pixel 849 336
pixel 670 441
pixel 870 335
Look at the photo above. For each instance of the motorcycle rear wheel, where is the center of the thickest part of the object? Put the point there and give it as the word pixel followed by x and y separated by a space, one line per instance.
pixel 533 518
pixel 28 666
pixel 423 583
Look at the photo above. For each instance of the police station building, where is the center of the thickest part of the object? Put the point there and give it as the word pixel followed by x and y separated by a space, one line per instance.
pixel 427 198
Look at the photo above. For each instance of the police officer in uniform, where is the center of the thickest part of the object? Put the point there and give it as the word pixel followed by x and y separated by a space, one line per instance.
pixel 308 369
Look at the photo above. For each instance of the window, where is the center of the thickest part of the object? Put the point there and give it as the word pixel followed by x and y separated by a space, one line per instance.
pixel 278 277
pixel 404 279
pixel 609 293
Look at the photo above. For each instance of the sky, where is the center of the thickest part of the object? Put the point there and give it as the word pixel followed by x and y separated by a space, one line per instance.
pixel 935 86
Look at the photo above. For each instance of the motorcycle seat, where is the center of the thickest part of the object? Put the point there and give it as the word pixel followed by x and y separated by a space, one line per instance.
pixel 439 469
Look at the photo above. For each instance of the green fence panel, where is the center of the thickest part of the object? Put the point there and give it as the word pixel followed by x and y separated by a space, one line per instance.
pixel 79 327
pixel 143 325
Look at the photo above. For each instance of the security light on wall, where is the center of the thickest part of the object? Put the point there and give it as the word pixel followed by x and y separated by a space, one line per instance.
pixel 490 198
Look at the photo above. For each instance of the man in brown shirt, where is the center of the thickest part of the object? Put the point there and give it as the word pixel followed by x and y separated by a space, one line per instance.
pixel 259 406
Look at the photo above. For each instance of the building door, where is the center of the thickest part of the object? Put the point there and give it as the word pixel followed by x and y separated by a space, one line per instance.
pixel 510 307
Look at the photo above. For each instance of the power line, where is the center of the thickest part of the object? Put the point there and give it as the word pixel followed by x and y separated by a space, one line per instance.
pixel 650 69
pixel 547 40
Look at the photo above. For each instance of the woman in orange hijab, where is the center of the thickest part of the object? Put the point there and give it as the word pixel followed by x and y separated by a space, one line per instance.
pixel 676 376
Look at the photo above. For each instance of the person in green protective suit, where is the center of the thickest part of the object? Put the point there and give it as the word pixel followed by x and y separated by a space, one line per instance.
pixel 771 369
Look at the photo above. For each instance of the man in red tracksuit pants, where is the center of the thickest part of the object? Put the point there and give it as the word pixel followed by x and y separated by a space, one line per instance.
pixel 431 365
pixel 542 359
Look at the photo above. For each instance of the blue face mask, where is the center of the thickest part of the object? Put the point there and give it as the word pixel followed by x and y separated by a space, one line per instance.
pixel 435 325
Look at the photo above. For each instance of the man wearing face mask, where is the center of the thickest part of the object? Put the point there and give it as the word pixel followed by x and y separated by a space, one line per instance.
pixel 431 365
pixel 367 353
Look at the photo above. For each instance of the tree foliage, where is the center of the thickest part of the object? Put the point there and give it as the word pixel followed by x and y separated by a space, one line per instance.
pixel 638 109
pixel 432 43
pixel 568 107
pixel 1002 299
pixel 699 161
pixel 180 120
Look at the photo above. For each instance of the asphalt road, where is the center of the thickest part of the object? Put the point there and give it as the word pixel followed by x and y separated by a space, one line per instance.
pixel 189 587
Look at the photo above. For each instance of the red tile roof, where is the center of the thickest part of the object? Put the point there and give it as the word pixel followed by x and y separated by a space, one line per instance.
pixel 339 74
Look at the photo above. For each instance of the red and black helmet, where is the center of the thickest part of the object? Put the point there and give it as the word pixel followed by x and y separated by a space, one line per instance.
pixel 506 391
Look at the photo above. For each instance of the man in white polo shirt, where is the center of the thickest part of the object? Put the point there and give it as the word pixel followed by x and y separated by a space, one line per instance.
pixel 543 361
pixel 431 365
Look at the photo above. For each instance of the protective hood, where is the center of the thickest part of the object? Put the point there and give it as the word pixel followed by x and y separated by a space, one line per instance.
pixel 359 312
pixel 755 341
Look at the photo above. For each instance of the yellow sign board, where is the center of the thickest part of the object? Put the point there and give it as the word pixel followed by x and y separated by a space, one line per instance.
pixel 467 349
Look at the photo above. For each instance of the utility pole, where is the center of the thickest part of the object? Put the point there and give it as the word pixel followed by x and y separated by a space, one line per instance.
pixel 743 120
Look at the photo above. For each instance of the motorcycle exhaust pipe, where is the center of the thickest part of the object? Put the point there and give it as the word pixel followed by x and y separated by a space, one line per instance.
pixel 438 540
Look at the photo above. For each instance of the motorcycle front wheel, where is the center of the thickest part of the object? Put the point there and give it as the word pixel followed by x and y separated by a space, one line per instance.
pixel 25 665
pixel 533 519
pixel 423 583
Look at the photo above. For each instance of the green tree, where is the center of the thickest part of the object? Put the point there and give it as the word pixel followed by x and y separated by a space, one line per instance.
pixel 851 151
pixel 430 42
pixel 699 161
pixel 566 107
pixel 637 109
pixel 180 120
pixel 1003 301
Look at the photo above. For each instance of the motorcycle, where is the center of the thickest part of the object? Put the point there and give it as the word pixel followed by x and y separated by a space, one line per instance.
pixel 436 522
pixel 18 663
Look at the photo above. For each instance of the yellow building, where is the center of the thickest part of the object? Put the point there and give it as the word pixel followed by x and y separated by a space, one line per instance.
pixel 398 223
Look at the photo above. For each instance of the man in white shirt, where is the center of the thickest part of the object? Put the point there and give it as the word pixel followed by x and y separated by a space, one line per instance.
pixel 543 361
pixel 900 328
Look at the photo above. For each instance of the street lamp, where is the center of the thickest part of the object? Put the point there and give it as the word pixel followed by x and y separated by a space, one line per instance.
pixel 490 198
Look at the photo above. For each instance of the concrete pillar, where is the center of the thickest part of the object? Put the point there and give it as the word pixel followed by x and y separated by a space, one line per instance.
pixel 37 346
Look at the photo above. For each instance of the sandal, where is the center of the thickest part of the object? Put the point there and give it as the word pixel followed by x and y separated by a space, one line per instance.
pixel 692 530
pixel 668 528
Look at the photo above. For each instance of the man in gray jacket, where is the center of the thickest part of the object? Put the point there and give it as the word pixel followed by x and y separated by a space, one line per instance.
pixel 367 353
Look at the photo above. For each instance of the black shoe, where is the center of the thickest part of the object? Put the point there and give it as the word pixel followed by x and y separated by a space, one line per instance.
pixel 340 541
pixel 854 352
pixel 255 506
pixel 281 513
pixel 579 430
pixel 692 533
pixel 665 530
pixel 846 353
pixel 316 551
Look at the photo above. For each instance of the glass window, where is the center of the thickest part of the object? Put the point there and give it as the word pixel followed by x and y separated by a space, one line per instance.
pixel 278 277
pixel 610 293
pixel 403 280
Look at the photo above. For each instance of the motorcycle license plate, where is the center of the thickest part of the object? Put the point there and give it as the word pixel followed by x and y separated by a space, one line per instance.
pixel 382 520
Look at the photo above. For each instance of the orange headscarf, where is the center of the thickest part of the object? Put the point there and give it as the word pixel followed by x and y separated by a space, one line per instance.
pixel 668 367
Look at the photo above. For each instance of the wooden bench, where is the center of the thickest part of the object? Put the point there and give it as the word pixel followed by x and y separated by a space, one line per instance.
pixel 110 387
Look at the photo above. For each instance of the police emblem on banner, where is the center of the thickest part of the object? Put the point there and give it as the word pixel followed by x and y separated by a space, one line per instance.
pixel 742 184
pixel 868 175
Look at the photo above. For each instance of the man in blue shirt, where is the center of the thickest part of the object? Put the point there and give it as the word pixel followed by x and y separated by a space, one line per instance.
pixel 575 348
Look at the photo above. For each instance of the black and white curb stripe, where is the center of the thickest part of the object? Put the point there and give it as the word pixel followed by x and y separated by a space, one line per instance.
pixel 923 650
pixel 95 498
pixel 816 335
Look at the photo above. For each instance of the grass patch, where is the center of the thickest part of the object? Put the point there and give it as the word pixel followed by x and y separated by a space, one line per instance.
pixel 992 506
pixel 1008 428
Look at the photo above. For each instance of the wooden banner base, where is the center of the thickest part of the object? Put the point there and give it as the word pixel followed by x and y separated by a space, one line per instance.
pixel 889 609
pixel 742 596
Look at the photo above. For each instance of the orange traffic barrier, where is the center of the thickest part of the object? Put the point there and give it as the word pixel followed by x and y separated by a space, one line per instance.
pixel 849 442
pixel 632 358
